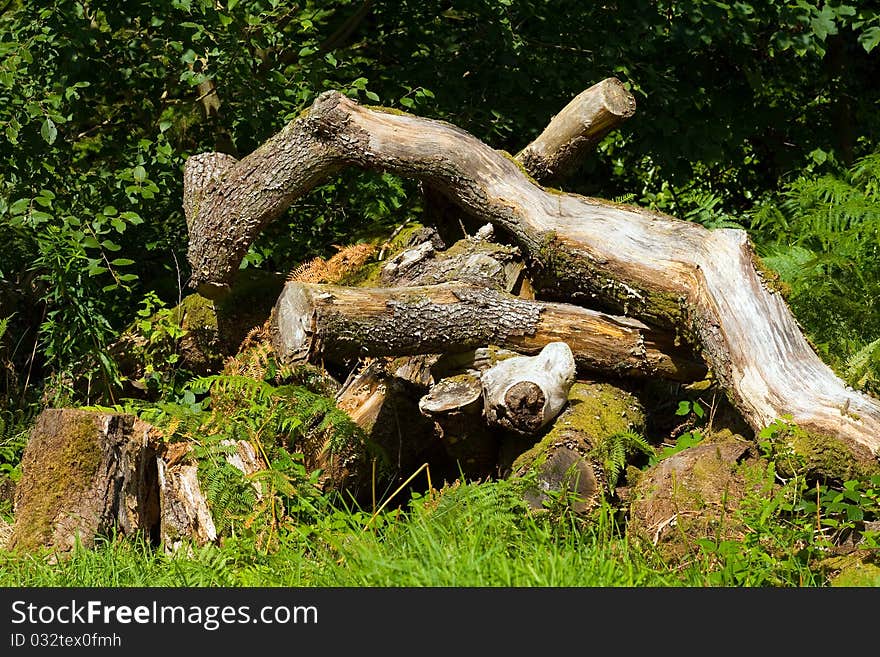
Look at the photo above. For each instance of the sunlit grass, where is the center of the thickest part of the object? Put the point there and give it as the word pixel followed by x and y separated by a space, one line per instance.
pixel 470 535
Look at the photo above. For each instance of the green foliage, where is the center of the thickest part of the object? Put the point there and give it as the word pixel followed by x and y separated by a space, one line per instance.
pixel 791 530
pixel 688 436
pixel 841 512
pixel 802 520
pixel 822 234
pixel 159 330
pixel 615 451
pixel 14 430
pixel 862 369
pixel 214 412
pixel 102 102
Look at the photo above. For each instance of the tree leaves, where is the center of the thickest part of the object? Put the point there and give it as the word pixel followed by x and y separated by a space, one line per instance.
pixel 48 131
pixel 870 38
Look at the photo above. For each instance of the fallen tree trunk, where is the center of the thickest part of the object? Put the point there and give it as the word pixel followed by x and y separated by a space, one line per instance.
pixel 82 473
pixel 86 473
pixel 560 147
pixel 343 323
pixel 662 270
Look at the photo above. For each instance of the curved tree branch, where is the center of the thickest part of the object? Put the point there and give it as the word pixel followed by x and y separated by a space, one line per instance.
pixel 659 269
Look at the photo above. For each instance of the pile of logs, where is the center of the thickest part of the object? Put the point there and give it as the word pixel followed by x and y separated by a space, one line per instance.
pixel 513 344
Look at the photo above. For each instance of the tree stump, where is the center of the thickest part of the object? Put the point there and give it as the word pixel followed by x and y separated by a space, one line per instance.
pixel 83 473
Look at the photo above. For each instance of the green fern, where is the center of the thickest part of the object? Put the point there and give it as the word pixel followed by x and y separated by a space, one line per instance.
pixel 704 207
pixel 615 450
pixel 862 369
pixel 214 412
pixel 230 495
pixel 822 235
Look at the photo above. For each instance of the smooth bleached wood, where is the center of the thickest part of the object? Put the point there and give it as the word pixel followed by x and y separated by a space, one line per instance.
pixel 524 393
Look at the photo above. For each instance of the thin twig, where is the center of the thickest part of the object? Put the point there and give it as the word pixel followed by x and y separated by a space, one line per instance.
pixel 394 494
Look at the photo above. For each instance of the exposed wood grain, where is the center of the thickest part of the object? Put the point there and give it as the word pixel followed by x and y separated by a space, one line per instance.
pixel 576 129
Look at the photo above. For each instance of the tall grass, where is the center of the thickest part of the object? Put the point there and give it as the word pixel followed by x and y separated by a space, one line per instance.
pixel 476 535
pixel 469 535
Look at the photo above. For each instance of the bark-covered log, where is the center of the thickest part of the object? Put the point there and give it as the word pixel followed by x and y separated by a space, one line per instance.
pixel 557 151
pixel 342 323
pixel 577 129
pixel 475 260
pixel 185 514
pixel 657 268
pixel 382 396
pixel 568 459
pixel 524 393
pixel 696 494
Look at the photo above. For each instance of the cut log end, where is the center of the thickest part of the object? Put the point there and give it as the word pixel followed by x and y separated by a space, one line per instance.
pixel 455 394
pixel 617 99
pixel 525 393
pixel 524 402
pixel 214 290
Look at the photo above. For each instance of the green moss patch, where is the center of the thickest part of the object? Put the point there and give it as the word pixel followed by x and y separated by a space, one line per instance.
pixel 59 465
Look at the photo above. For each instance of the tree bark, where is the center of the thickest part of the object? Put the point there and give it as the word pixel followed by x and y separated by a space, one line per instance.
pixel 85 473
pixel 662 270
pixel 185 513
pixel 344 323
pixel 580 125
pixel 556 152
pixel 82 473
pixel 382 398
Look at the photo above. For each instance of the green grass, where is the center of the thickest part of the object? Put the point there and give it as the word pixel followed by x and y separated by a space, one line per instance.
pixel 473 535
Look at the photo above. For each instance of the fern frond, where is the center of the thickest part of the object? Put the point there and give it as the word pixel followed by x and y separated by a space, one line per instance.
pixel 3 324
pixel 863 365
pixel 615 449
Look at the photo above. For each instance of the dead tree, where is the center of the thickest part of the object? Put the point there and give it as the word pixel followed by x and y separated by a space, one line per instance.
pixel 702 284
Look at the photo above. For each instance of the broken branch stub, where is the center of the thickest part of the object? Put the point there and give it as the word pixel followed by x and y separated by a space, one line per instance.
pixel 456 406
pixel 525 393
pixel 576 129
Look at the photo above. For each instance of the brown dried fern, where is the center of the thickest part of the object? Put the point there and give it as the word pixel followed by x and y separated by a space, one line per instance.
pixel 346 260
